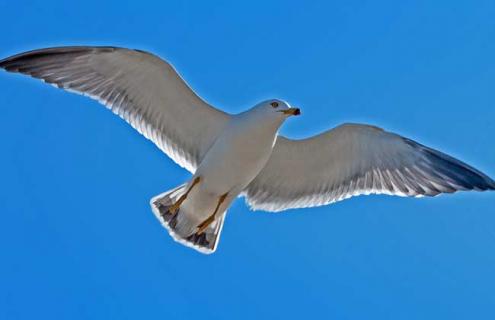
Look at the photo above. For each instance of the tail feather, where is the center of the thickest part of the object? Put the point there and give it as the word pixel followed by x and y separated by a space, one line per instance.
pixel 182 226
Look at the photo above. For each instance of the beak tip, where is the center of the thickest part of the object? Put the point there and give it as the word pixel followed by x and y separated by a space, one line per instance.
pixel 291 111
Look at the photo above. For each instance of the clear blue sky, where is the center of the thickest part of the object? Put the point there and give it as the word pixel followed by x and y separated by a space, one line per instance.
pixel 78 239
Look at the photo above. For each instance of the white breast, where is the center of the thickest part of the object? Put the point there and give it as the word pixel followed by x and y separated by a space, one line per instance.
pixel 238 155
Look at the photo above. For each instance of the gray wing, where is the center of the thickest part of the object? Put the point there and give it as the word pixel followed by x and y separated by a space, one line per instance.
pixel 139 87
pixel 355 159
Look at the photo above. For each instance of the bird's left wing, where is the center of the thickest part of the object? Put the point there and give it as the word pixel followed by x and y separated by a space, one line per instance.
pixel 355 159
pixel 139 87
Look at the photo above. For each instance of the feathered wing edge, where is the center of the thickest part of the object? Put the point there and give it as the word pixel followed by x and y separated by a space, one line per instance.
pixel 139 87
pixel 369 161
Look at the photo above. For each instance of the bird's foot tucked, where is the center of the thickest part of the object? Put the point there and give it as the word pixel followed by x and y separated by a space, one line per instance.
pixel 205 224
pixel 175 207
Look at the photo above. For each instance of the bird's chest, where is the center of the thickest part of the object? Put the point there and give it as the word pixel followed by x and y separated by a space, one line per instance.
pixel 235 159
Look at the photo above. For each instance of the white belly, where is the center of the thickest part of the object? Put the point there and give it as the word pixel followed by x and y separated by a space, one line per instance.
pixel 235 159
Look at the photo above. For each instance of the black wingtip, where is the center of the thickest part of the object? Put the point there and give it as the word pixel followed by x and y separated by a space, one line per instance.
pixel 4 63
pixel 12 63
pixel 491 184
pixel 460 173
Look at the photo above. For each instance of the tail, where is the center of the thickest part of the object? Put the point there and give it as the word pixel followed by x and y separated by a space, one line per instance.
pixel 182 225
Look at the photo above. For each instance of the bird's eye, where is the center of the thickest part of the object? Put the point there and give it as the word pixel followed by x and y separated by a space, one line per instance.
pixel 274 104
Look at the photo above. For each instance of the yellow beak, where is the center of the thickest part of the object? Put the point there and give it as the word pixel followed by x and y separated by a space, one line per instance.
pixel 291 111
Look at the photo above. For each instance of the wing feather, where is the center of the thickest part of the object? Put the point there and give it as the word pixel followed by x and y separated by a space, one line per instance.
pixel 139 87
pixel 355 159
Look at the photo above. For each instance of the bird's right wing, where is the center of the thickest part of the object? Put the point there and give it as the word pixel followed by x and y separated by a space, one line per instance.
pixel 355 159
pixel 139 87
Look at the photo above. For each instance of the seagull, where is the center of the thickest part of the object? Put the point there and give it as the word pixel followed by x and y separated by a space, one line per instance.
pixel 231 155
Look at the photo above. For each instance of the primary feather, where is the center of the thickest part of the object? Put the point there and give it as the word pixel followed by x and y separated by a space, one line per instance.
pixel 355 159
pixel 141 88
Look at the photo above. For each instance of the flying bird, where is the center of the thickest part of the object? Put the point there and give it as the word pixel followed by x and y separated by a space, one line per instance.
pixel 231 155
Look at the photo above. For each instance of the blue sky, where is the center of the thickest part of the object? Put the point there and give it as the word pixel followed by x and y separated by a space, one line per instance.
pixel 78 239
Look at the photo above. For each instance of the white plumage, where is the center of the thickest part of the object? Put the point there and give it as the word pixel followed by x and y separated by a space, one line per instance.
pixel 231 155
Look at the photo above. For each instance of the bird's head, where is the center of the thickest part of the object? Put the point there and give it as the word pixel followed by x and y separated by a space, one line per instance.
pixel 270 113
pixel 277 109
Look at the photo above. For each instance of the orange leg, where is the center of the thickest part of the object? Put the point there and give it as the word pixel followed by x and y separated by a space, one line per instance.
pixel 173 209
pixel 205 224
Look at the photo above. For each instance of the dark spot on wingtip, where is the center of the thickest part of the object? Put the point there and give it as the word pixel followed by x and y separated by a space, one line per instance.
pixel 491 185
